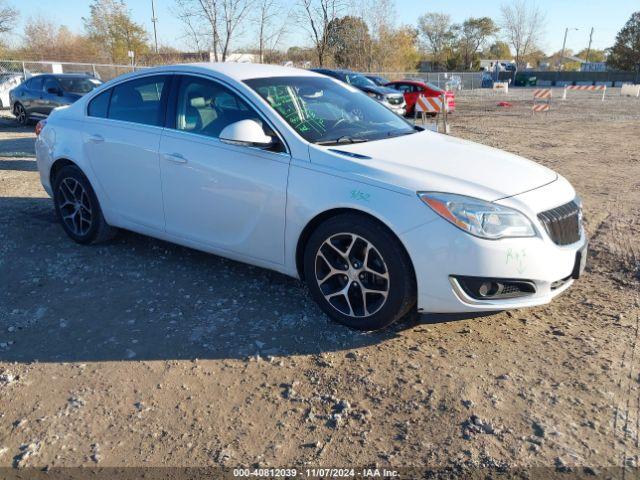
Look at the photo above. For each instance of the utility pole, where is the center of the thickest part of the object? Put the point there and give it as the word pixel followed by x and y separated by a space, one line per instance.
pixel 564 44
pixel 154 21
pixel 589 47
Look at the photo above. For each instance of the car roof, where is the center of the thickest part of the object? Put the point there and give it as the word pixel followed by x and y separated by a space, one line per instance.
pixel 411 82
pixel 235 71
pixel 338 70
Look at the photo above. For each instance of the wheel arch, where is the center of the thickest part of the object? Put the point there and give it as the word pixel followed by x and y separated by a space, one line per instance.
pixel 316 221
pixel 58 165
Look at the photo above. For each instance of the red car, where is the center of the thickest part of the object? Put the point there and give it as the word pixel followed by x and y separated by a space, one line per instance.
pixel 412 89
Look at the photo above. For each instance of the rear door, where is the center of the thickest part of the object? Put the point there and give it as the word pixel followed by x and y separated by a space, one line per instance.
pixel 121 137
pixel 30 98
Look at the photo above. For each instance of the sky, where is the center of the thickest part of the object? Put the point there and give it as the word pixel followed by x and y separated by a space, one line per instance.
pixel 607 18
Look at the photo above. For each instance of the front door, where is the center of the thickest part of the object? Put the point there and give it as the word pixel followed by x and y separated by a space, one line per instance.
pixel 50 100
pixel 229 197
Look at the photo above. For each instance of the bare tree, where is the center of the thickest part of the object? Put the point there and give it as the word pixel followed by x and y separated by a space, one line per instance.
pixel 316 15
pixel 8 17
pixel 438 33
pixel 233 13
pixel 523 27
pixel 192 22
pixel 222 19
pixel 270 32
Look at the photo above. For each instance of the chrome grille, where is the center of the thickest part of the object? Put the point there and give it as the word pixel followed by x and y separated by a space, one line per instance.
pixel 562 223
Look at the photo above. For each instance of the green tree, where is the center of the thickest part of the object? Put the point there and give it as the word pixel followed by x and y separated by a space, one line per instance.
pixel 350 43
pixel 594 55
pixel 625 53
pixel 111 28
pixel 498 51
pixel 473 34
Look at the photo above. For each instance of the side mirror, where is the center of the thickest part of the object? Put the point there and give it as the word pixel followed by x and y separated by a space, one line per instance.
pixel 248 133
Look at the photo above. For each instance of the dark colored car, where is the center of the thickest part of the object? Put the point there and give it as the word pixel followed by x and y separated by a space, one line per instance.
pixel 38 95
pixel 380 81
pixel 412 89
pixel 389 97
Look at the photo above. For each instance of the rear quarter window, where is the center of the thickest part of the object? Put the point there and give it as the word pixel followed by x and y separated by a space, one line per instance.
pixel 99 105
pixel 138 101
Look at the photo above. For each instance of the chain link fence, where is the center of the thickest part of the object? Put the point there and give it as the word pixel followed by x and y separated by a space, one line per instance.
pixel 449 80
pixel 26 69
pixel 104 71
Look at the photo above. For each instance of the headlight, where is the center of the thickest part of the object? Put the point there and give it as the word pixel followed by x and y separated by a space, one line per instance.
pixel 477 217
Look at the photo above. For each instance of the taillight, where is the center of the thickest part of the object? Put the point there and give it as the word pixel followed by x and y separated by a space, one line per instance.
pixel 39 126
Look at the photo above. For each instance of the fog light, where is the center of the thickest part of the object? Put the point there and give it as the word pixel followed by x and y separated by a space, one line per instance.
pixel 495 288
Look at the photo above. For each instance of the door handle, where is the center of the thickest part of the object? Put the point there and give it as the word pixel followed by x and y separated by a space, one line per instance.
pixel 175 157
pixel 96 138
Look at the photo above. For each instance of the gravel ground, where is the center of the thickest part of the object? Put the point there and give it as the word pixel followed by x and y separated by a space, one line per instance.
pixel 143 353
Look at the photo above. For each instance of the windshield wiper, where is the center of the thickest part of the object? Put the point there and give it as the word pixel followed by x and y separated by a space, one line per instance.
pixel 400 133
pixel 341 140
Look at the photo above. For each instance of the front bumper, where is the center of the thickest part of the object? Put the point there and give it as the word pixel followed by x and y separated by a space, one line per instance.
pixel 440 251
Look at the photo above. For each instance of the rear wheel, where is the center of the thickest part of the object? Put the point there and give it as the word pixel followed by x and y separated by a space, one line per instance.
pixel 359 273
pixel 78 209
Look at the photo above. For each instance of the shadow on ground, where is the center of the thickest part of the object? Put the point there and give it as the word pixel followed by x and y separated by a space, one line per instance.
pixel 137 298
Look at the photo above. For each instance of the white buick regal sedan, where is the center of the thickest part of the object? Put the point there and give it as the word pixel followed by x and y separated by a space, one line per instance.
pixel 294 171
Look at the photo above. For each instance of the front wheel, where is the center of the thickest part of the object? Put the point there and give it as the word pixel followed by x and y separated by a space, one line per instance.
pixel 359 273
pixel 21 114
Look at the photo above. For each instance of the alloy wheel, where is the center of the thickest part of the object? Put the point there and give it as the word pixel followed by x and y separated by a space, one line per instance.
pixel 352 275
pixel 75 206
pixel 21 114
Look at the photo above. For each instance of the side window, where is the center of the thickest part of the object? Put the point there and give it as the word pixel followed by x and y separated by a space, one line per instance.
pixel 404 88
pixel 99 106
pixel 139 101
pixel 206 107
pixel 50 82
pixel 35 83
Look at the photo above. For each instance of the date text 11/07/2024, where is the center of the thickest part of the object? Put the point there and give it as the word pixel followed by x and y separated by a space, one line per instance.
pixel 315 473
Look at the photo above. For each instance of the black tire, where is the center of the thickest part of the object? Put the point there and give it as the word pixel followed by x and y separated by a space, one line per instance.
pixel 387 252
pixel 21 114
pixel 90 226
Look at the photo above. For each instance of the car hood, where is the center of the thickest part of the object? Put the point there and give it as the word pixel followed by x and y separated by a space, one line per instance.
pixel 428 161
pixel 380 90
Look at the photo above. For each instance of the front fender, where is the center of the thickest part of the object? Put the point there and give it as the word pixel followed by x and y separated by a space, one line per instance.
pixel 311 192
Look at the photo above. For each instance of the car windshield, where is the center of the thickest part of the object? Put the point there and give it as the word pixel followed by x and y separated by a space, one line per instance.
pixel 325 111
pixel 359 80
pixel 80 85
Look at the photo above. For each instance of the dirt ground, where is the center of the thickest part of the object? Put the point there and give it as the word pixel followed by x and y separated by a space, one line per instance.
pixel 142 353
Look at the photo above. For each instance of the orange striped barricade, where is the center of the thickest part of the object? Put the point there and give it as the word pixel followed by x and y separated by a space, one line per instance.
pixel 587 88
pixel 433 105
pixel 542 94
pixel 541 107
